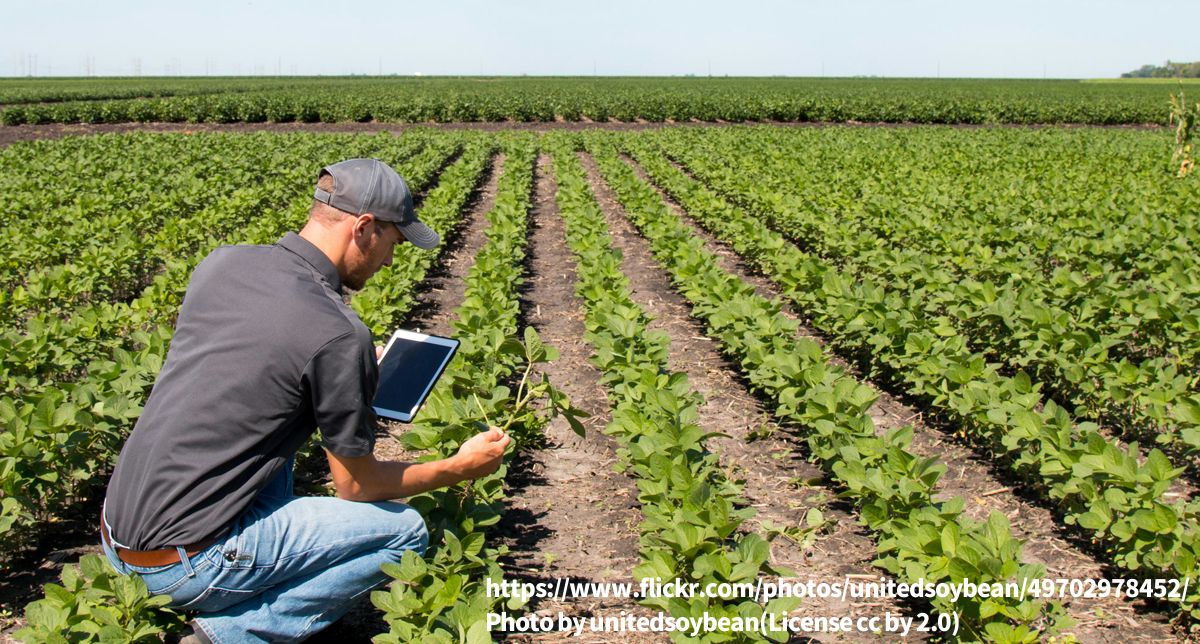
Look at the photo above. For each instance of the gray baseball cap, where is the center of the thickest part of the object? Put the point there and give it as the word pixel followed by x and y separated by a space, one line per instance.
pixel 371 186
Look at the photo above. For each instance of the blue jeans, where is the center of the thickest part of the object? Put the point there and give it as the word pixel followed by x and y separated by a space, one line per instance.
pixel 288 567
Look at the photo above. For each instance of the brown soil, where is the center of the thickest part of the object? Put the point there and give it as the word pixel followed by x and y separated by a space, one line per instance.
pixel 569 515
pixel 778 484
pixel 978 480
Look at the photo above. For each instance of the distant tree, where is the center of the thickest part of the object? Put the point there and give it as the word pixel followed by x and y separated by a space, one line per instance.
pixel 1169 69
pixel 1145 71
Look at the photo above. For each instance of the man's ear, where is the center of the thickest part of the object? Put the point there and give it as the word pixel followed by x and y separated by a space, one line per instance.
pixel 362 225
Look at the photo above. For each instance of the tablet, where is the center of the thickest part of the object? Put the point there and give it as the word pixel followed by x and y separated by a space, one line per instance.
pixel 410 365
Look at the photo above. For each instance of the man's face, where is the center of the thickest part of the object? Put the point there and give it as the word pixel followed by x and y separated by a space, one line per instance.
pixel 374 251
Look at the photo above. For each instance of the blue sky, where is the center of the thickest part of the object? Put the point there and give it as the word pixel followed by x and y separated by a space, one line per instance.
pixel 1018 38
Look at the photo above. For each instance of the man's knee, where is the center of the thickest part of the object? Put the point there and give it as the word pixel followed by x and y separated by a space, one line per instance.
pixel 409 529
pixel 422 535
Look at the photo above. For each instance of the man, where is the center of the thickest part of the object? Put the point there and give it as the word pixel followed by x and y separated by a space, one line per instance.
pixel 265 352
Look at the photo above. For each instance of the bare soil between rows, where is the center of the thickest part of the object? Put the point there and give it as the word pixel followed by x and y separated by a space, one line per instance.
pixel 569 515
pixel 778 483
pixel 981 482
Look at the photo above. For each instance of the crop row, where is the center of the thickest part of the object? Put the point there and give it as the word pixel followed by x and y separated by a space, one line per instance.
pixel 624 99
pixel 1119 349
pixel 918 537
pixel 442 597
pixel 139 241
pixel 1107 491
pixel 692 512
pixel 17 91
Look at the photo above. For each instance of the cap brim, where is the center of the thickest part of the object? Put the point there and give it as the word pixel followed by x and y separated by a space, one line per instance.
pixel 419 234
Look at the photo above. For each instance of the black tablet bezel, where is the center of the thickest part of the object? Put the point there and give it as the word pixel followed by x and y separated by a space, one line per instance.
pixel 407 416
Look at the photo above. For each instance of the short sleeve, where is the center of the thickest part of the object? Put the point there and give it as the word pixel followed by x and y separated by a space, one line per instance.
pixel 342 377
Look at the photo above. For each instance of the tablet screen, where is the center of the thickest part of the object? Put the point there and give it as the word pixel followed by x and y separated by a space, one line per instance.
pixel 411 364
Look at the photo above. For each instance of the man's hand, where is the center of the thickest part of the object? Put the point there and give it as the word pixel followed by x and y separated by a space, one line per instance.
pixel 378 353
pixel 365 478
pixel 482 453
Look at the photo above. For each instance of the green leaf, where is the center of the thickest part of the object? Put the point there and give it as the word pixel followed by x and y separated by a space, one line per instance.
pixel 478 634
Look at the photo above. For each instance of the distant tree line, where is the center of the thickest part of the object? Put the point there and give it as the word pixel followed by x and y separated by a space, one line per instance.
pixel 1169 70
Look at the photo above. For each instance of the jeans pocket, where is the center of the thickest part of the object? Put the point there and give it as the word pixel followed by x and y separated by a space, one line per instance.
pixel 166 582
pixel 215 598
pixel 176 582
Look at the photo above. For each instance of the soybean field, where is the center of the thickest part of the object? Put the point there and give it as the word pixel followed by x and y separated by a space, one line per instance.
pixel 726 352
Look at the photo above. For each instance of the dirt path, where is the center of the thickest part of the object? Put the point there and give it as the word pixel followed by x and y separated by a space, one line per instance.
pixel 569 516
pixel 779 485
pixel 985 486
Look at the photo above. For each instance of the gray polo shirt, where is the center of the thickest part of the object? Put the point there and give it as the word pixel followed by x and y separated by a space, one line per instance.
pixel 265 351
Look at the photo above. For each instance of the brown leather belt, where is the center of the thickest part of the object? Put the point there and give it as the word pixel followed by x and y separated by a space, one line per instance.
pixel 151 558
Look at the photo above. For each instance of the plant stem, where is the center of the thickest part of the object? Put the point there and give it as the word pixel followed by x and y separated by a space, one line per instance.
pixel 482 410
pixel 523 398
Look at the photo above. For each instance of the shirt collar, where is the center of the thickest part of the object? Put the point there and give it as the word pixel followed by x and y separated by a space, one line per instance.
pixel 313 255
